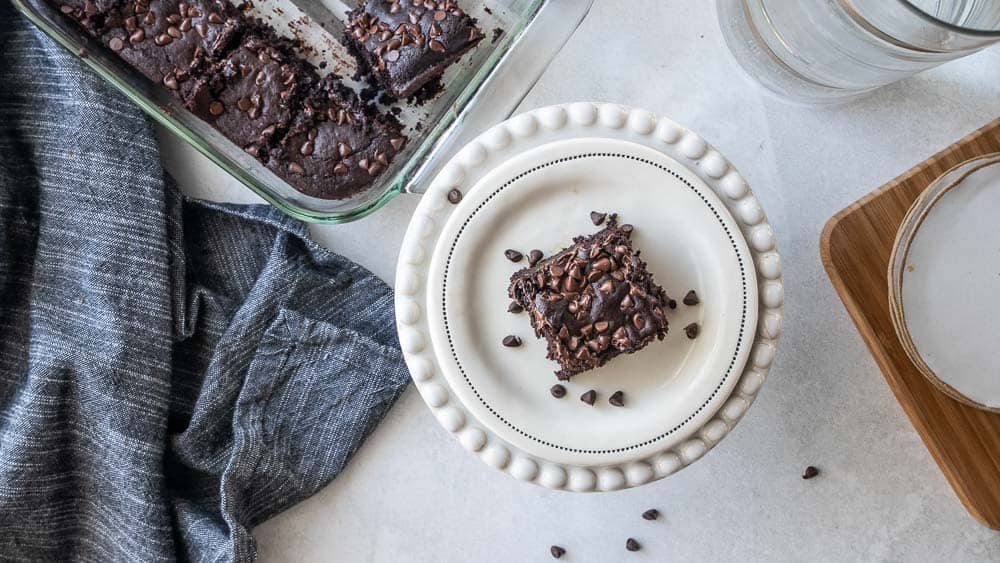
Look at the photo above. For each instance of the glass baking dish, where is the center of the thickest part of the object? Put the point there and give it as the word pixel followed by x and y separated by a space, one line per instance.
pixel 480 90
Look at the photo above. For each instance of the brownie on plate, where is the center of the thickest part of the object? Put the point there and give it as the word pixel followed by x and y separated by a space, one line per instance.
pixel 407 43
pixel 592 301
pixel 336 146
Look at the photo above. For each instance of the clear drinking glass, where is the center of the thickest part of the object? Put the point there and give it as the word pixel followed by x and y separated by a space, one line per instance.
pixel 822 51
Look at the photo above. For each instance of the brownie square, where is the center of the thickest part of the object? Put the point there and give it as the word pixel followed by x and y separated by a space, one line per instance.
pixel 170 41
pixel 252 94
pixel 406 43
pixel 337 146
pixel 592 301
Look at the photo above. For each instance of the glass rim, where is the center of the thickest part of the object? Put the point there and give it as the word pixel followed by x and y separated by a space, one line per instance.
pixel 948 25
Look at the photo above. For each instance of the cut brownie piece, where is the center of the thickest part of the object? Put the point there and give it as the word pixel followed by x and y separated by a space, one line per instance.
pixel 406 43
pixel 252 94
pixel 170 40
pixel 592 301
pixel 337 145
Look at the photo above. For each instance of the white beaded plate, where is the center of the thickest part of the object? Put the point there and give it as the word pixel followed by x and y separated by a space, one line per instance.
pixel 530 182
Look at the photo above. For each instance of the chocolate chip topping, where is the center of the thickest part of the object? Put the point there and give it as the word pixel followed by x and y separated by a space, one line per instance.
pixel 511 341
pixel 692 330
pixel 590 397
pixel 691 299
pixel 592 301
pixel 617 399
pixel 513 255
pixel 534 257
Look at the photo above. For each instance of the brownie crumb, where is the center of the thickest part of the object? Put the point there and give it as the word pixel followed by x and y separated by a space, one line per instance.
pixel 497 34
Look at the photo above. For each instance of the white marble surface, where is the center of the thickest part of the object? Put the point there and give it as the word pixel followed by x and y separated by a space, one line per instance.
pixel 413 494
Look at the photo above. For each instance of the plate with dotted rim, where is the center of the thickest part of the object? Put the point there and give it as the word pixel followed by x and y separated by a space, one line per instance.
pixel 531 183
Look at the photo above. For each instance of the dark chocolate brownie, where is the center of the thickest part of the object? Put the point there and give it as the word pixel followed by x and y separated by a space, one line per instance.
pixel 592 301
pixel 406 43
pixel 251 96
pixel 170 41
pixel 337 145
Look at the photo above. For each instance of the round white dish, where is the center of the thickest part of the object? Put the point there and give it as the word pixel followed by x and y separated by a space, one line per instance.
pixel 530 183
pixel 944 281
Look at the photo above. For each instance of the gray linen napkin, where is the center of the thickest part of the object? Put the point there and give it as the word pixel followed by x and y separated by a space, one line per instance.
pixel 171 372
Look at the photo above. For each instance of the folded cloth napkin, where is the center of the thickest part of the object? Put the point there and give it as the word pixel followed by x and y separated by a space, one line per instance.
pixel 172 372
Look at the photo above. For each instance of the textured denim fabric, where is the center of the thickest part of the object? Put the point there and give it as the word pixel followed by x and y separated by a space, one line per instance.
pixel 172 372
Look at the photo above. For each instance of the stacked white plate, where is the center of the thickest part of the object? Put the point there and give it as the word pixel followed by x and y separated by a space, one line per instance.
pixel 531 183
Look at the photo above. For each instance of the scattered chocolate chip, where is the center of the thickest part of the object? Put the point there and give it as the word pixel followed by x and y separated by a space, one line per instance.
pixel 590 397
pixel 534 257
pixel 558 391
pixel 651 514
pixel 617 399
pixel 455 195
pixel 511 341
pixel 598 218
pixel 632 545
pixel 513 255
pixel 515 308
pixel 692 330
pixel 810 472
pixel 691 299
pixel 672 303
pixel 557 551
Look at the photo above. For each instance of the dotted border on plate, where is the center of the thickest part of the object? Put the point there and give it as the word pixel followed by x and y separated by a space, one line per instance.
pixel 501 143
pixel 512 181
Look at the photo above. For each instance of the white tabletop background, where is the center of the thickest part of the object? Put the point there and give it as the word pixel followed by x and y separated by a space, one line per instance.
pixel 412 493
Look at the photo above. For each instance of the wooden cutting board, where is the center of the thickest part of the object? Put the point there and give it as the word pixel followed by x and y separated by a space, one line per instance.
pixel 855 248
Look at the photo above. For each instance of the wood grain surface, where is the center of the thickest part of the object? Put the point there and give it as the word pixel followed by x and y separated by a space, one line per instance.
pixel 855 247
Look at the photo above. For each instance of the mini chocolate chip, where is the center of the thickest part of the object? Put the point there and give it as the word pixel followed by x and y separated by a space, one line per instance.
pixel 170 81
pixel 535 256
pixel 590 397
pixel 307 148
pixel 454 195
pixel 651 514
pixel 511 341
pixel 513 255
pixel 296 168
pixel 341 168
pixel 810 472
pixel 558 391
pixel 397 143
pixel 598 218
pixel 436 45
pixel 692 330
pixel 617 399
pixel 557 551
pixel 137 37
pixel 392 56
pixel 691 299
pixel 515 308
pixel 672 304
pixel 440 15
pixel 116 44
pixel 632 545
pixel 216 108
